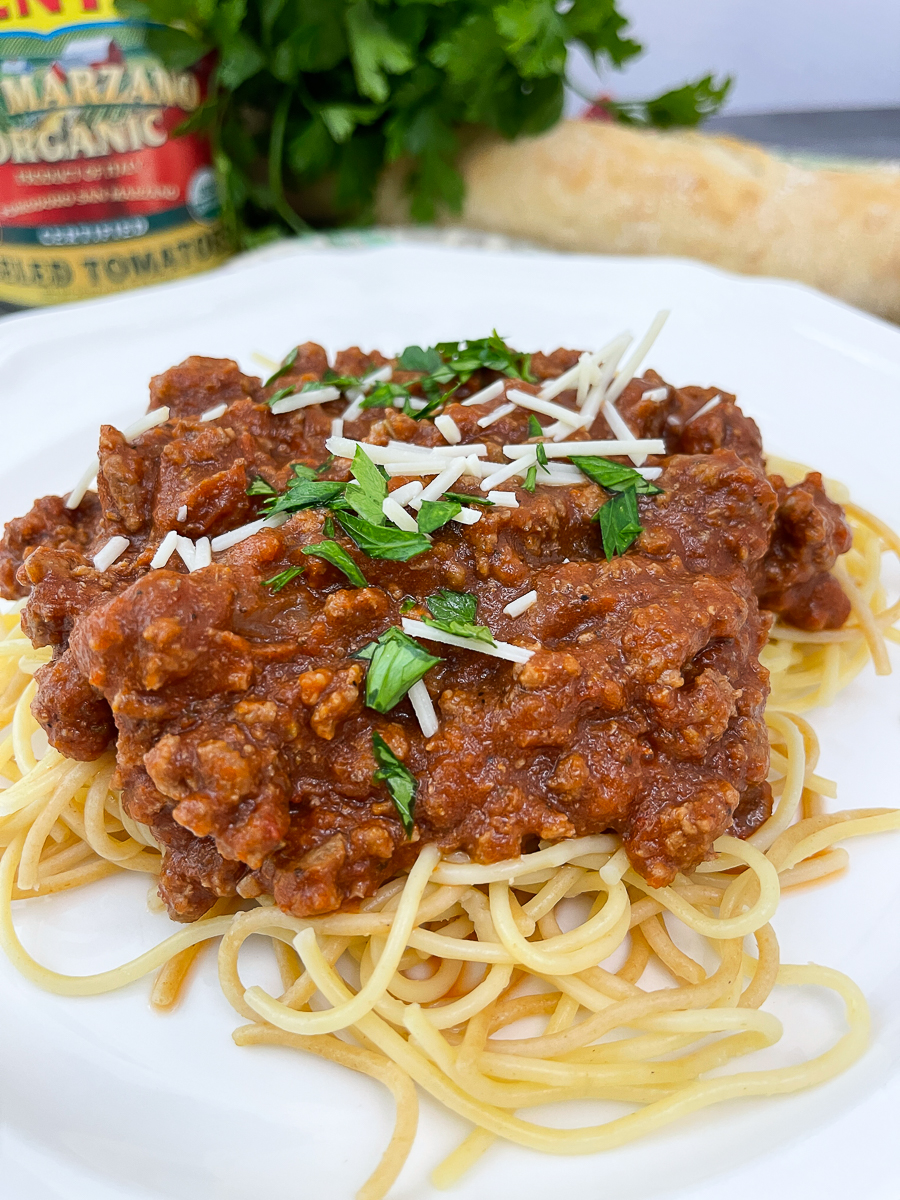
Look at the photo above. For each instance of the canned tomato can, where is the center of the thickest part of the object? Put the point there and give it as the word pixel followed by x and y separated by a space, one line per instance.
pixel 97 193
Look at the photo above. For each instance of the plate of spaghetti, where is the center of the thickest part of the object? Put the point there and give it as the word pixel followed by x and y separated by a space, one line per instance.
pixel 479 710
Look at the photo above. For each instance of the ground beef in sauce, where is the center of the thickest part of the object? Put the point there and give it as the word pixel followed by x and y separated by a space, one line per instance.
pixel 241 734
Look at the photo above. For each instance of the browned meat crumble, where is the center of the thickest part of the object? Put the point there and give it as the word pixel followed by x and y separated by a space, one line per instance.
pixel 237 711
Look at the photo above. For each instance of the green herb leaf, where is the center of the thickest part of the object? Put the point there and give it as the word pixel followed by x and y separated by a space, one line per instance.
pixel 384 394
pixel 620 522
pixel 370 490
pixel 328 526
pixel 466 498
pixel 396 662
pixel 446 605
pixel 615 477
pixel 323 467
pixel 464 358
pixel 454 612
pixel 283 578
pixel 286 365
pixel 435 513
pixel 281 394
pixel 430 408
pixel 414 358
pixel 341 382
pixel 384 541
pixel 398 779
pixel 530 478
pixel 542 457
pixel 259 487
pixel 302 471
pixel 535 428
pixel 408 604
pixel 338 557
pixel 305 493
pixel 680 107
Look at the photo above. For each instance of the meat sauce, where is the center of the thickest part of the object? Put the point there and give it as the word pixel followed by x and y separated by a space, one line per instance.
pixel 237 710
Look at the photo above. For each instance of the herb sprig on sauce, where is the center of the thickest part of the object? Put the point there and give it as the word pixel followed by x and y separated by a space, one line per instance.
pixel 398 779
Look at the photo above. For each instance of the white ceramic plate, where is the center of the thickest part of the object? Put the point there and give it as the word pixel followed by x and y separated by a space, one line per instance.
pixel 101 1099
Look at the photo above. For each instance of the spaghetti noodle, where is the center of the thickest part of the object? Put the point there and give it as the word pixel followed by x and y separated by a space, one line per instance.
pixel 422 979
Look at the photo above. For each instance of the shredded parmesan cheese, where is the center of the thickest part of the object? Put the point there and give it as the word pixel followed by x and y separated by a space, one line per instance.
pixel 77 493
pixel 406 493
pixel 656 394
pixel 505 650
pixel 641 350
pixel 107 555
pixel 213 414
pixel 420 466
pixel 185 548
pixel 319 395
pixel 411 450
pixel 604 448
pixel 515 608
pixel 504 499
pixel 491 392
pixel 398 515
pixel 617 424
pixel 337 427
pixel 710 404
pixel 536 404
pixel 226 540
pixel 202 554
pixel 442 482
pixel 158 417
pixel 423 708
pixel 357 394
pixel 181 515
pixel 502 411
pixel 164 551
pixel 449 429
pixel 561 383
pixel 467 516
pixel 518 467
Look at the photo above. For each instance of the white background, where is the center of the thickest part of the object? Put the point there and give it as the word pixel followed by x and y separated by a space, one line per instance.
pixel 786 55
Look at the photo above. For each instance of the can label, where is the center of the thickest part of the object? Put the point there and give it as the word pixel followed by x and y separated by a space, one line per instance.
pixel 96 193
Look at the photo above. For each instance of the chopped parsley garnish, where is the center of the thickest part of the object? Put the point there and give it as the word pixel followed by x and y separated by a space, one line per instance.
pixel 338 557
pixel 283 578
pixel 454 612
pixel 414 358
pixel 396 661
pixel 466 498
pixel 384 541
pixel 465 358
pixel 341 382
pixel 383 395
pixel 286 365
pixel 620 523
pixel 435 513
pixel 367 495
pixel 542 457
pixel 614 476
pixel 398 779
pixel 259 487
pixel 408 604
pixel 304 493
pixel 281 394
pixel 328 526
pixel 530 479
pixel 535 428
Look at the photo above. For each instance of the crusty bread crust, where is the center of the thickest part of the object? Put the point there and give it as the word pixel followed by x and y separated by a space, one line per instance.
pixel 600 187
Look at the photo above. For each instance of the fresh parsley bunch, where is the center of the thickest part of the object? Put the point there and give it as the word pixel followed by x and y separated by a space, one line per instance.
pixel 310 99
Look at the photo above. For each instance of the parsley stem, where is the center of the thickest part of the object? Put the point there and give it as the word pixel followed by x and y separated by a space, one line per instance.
pixel 276 154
